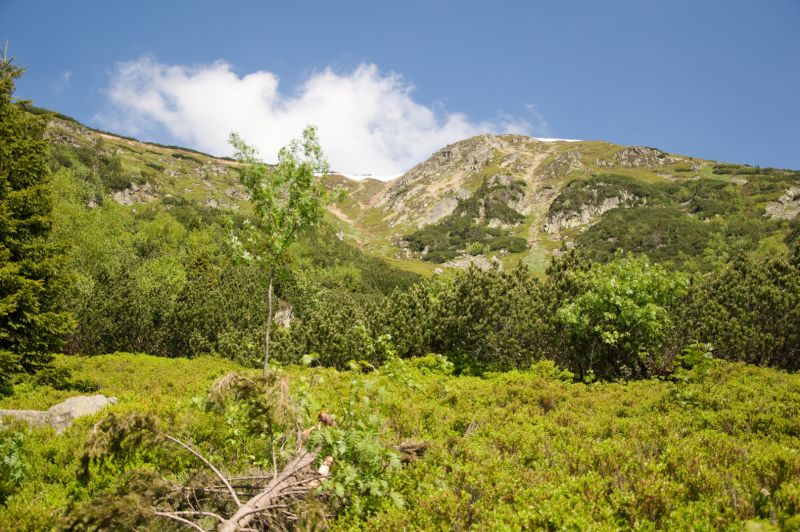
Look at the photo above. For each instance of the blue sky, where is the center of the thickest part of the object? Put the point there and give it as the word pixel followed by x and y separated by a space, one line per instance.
pixel 392 81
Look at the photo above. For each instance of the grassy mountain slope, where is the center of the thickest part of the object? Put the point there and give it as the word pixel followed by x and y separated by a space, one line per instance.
pixel 708 444
pixel 193 187
pixel 504 198
pixel 590 194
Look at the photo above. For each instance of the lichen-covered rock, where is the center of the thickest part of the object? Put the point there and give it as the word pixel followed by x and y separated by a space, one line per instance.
pixel 479 261
pixel 641 156
pixel 62 415
pixel 34 417
pixel 787 207
pixel 135 194
pixel 560 165
pixel 586 212
pixel 443 208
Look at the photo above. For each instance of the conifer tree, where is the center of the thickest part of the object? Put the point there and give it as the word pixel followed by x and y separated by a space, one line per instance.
pixel 31 324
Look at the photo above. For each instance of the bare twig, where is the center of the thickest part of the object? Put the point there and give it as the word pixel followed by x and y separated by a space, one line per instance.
pixel 180 520
pixel 208 464
pixel 196 512
pixel 277 489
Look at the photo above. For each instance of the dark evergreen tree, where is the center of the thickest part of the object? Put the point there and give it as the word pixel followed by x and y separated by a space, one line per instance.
pixel 749 311
pixel 31 324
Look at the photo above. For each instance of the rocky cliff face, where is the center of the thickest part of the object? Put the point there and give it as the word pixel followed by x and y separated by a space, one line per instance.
pixel 421 208
pixel 429 191
pixel 786 207
pixel 639 157
pixel 584 213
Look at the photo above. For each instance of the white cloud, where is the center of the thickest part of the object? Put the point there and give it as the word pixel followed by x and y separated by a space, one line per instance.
pixel 368 121
pixel 62 82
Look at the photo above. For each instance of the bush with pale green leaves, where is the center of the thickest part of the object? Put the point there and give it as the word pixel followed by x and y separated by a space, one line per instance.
pixel 621 318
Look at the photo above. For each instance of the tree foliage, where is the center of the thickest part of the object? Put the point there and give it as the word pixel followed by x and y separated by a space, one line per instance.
pixel 620 319
pixel 287 200
pixel 749 310
pixel 31 323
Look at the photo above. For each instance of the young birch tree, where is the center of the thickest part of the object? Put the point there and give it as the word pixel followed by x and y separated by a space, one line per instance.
pixel 288 199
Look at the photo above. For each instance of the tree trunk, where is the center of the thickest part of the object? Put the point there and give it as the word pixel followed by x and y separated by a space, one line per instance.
pixel 269 322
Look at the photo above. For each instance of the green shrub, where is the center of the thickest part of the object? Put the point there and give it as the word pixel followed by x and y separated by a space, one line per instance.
pixel 480 320
pixel 749 311
pixel 620 320
pixel 13 468
pixel 466 230
pixel 596 189
pixel 663 233
pixel 186 157
pixel 61 379
pixel 527 449
pixel 432 363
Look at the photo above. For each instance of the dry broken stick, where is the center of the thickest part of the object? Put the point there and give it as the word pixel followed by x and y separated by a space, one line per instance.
pixel 298 477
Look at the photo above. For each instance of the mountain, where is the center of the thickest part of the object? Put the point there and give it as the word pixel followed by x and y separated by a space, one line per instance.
pixel 511 198
pixel 488 199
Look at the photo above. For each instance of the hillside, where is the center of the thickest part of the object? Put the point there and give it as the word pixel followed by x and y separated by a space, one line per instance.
pixel 520 450
pixel 647 390
pixel 515 199
pixel 504 199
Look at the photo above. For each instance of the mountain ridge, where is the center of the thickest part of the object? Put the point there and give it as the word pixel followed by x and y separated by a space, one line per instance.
pixel 547 194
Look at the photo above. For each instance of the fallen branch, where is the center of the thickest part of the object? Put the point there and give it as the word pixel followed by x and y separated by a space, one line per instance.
pixel 300 466
pixel 295 480
pixel 208 464
pixel 187 522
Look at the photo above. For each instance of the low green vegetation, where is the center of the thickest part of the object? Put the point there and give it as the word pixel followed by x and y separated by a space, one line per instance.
pixel 626 318
pixel 169 281
pixel 681 222
pixel 715 447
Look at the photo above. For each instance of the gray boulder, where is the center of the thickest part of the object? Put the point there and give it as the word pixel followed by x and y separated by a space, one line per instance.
pixel 62 415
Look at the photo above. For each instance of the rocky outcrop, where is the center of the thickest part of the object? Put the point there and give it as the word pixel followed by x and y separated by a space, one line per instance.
pixel 236 194
pixel 442 172
pixel 442 209
pixel 62 415
pixel 639 157
pixel 135 194
pixel 787 207
pixel 560 165
pixel 584 214
pixel 424 194
pixel 64 132
pixel 479 261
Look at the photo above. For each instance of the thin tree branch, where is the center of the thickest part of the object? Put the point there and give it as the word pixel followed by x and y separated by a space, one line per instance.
pixel 208 464
pixel 181 520
pixel 262 509
pixel 194 512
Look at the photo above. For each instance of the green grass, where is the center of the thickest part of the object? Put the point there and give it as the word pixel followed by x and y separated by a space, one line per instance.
pixel 512 451
pixel 148 381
